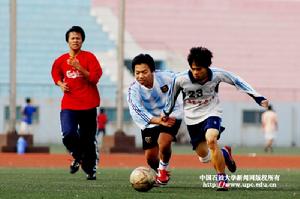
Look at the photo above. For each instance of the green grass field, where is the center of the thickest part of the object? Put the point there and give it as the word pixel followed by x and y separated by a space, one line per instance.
pixel 114 183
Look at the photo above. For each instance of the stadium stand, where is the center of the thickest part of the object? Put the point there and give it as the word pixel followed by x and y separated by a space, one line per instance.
pixel 256 39
pixel 41 25
pixel 251 38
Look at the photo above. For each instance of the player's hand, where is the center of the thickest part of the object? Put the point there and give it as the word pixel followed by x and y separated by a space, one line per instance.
pixel 167 121
pixel 265 103
pixel 164 118
pixel 63 86
pixel 74 62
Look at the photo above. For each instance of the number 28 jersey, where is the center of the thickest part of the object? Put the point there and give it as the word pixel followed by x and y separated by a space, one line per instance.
pixel 201 101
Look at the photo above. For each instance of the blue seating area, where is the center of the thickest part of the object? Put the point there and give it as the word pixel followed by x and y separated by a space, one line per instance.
pixel 41 27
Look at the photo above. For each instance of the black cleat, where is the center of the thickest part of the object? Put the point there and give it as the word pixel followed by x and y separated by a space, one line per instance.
pixel 74 167
pixel 91 176
pixel 222 184
pixel 230 163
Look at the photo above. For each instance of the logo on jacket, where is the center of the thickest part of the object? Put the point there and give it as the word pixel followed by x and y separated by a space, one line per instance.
pixel 164 88
pixel 73 74
pixel 148 140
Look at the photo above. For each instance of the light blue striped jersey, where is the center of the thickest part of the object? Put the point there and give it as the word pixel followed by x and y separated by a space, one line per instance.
pixel 201 101
pixel 145 103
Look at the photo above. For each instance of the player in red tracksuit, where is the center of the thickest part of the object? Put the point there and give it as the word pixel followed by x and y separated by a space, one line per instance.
pixel 77 74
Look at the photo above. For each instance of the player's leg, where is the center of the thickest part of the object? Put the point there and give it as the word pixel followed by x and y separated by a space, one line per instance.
pixel 268 141
pixel 150 146
pixel 152 157
pixel 87 130
pixel 216 153
pixel 23 128
pixel 217 158
pixel 203 147
pixel 164 143
pixel 29 129
pixel 70 137
pixel 203 152
pixel 269 145
pixel 166 136
pixel 198 141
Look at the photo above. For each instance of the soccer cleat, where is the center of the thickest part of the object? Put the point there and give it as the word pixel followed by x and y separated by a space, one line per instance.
pixel 222 182
pixel 230 163
pixel 162 177
pixel 156 183
pixel 74 167
pixel 91 176
pixel 222 186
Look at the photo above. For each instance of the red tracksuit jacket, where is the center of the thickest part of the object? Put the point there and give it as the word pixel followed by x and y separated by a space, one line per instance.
pixel 83 92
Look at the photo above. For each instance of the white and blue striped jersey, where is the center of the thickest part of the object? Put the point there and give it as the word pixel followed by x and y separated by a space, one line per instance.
pixel 145 103
pixel 202 101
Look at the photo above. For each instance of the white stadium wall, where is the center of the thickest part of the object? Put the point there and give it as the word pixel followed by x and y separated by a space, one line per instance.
pixel 48 128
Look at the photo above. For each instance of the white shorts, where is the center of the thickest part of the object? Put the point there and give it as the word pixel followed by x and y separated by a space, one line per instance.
pixel 269 135
pixel 24 128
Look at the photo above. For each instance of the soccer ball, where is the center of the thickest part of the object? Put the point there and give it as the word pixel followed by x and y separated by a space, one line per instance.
pixel 142 178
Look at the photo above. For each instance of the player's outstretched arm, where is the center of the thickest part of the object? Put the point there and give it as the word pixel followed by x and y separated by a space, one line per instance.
pixel 242 85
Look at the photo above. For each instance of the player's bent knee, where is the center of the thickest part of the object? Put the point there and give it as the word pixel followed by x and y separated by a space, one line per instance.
pixel 212 143
pixel 211 136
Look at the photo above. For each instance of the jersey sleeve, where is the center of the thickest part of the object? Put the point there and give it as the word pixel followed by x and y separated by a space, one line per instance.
pixel 136 108
pixel 95 69
pixel 240 84
pixel 56 72
pixel 172 96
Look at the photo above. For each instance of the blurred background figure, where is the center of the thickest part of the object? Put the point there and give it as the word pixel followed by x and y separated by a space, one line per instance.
pixel 101 122
pixel 27 114
pixel 270 127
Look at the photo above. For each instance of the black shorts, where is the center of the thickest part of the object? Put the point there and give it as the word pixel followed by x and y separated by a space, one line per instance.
pixel 150 135
pixel 197 131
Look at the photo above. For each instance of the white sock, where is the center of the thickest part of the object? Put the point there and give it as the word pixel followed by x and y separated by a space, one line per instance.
pixel 163 165
pixel 206 159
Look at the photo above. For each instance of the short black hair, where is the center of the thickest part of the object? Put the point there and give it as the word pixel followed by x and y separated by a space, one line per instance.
pixel 28 99
pixel 77 29
pixel 143 59
pixel 201 56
